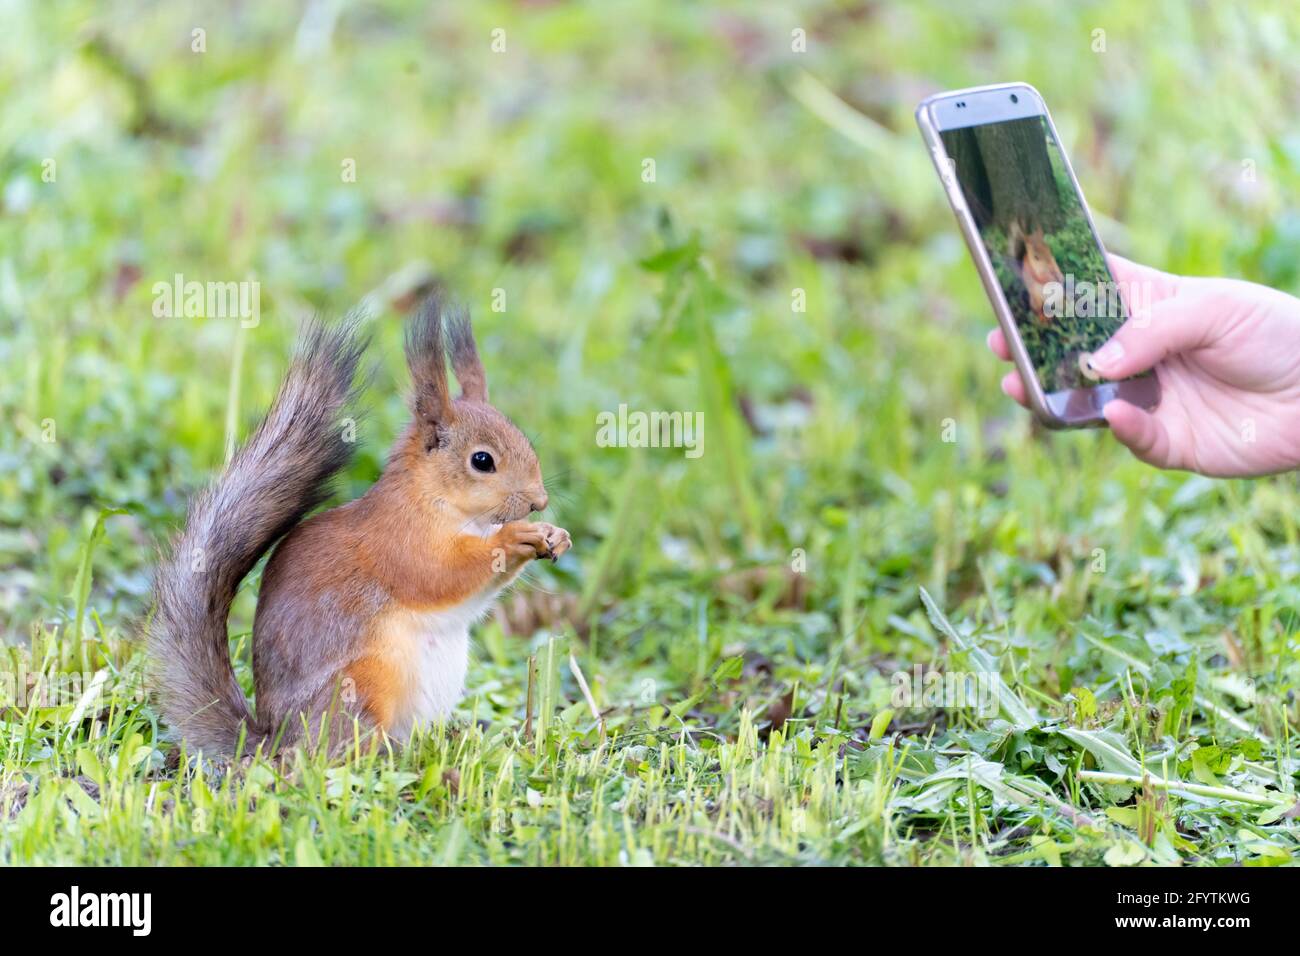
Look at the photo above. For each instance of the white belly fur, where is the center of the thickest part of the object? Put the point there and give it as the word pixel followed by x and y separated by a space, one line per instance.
pixel 436 651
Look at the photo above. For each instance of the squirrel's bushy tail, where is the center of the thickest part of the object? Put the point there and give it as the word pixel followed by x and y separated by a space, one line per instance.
pixel 280 474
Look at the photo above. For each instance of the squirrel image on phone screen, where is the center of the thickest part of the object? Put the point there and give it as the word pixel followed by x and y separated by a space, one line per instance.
pixel 364 610
pixel 1035 265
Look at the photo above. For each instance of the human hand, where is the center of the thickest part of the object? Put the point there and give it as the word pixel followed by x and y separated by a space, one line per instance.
pixel 1227 354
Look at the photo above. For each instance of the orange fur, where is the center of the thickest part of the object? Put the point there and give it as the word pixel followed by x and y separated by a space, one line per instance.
pixel 378 685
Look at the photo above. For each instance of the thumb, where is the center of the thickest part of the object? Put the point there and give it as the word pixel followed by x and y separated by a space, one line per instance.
pixel 1146 339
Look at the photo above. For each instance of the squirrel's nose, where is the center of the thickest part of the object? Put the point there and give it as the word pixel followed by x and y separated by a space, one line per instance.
pixel 539 503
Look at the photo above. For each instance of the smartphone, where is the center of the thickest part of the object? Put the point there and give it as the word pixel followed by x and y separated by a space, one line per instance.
pixel 1035 246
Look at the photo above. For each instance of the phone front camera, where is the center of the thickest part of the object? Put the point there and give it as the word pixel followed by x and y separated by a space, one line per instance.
pixel 1014 98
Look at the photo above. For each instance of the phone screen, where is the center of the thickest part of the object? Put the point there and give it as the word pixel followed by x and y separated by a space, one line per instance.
pixel 1036 231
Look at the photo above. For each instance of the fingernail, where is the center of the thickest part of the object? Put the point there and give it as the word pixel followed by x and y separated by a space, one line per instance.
pixel 1108 355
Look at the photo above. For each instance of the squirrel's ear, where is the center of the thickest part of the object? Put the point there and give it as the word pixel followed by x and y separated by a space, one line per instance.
pixel 426 357
pixel 464 356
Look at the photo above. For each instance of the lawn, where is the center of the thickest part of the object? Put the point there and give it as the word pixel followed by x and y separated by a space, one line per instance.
pixel 721 209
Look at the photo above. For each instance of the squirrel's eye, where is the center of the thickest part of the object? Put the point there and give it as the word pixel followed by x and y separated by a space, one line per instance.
pixel 482 461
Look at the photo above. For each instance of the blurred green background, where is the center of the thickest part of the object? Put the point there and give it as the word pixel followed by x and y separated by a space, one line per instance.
pixel 792 271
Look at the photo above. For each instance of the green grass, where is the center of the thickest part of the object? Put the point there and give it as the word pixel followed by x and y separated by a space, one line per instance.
pixel 739 618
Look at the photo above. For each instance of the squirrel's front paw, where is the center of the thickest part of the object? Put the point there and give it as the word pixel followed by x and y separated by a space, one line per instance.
pixel 557 541
pixel 525 540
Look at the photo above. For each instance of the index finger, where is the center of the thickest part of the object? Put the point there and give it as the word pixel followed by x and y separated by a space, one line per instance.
pixel 997 342
pixel 1155 286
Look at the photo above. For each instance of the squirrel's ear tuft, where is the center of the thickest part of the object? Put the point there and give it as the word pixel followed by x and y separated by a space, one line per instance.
pixel 464 355
pixel 426 357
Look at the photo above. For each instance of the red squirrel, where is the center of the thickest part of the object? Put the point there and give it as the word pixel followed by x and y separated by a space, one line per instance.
pixel 1033 261
pixel 365 609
